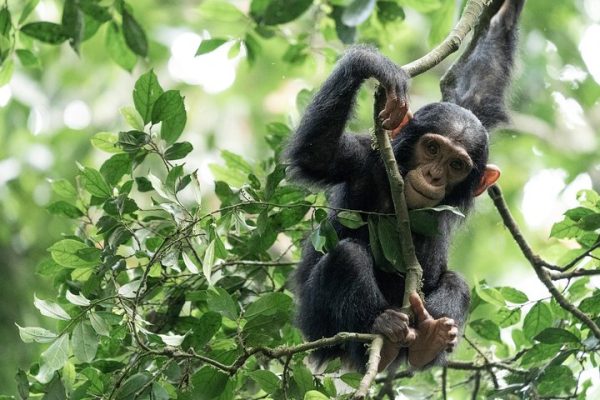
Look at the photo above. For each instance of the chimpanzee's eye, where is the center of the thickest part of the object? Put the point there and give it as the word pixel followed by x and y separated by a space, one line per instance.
pixel 457 164
pixel 433 148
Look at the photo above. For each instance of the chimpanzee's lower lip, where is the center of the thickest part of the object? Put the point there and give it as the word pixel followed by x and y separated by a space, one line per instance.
pixel 423 194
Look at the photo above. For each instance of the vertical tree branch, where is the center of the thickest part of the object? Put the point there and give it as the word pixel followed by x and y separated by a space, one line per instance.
pixel 414 272
pixel 372 367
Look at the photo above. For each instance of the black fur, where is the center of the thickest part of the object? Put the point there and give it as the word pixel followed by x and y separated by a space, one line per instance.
pixel 343 290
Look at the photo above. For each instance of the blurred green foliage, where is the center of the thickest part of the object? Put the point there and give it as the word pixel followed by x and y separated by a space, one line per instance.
pixel 281 51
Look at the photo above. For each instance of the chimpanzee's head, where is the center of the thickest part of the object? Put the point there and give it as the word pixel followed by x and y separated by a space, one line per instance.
pixel 442 152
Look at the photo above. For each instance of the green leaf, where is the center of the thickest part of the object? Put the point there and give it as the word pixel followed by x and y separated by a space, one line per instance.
pixel 115 167
pixel 579 212
pixel 22 384
pixel 389 11
pixel 57 354
pixel 97 12
pixel 27 10
pixel 565 229
pixel 556 380
pixel 303 378
pixel 84 343
pixel 5 21
pixel 131 386
pixel 352 379
pixel 590 222
pixel 283 11
pixel 72 253
pixel 556 336
pixel 208 45
pixel 35 334
pixel 170 110
pixel 47 32
pixel 268 381
pixel 77 299
pixel 357 12
pixel 505 317
pixel 63 208
pixel 315 395
pixel 6 71
pixel 208 383
pixel 486 329
pixel 209 261
pixel 441 22
pixel 135 37
pixel 132 141
pixel 94 183
pixel 219 300
pixel 389 240
pixel 72 22
pixel 132 117
pixel 99 324
pixel 50 309
pixel 423 6
pixel 27 58
pixel 350 219
pixel 117 48
pixel 539 353
pixel 235 161
pixel 178 151
pixel 106 141
pixel 64 188
pixel 269 304
pixel 218 10
pixel 489 294
pixel 325 237
pixel 591 305
pixel 208 325
pixel 537 319
pixel 513 295
pixel 147 90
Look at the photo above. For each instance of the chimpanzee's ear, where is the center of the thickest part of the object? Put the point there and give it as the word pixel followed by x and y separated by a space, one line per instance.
pixel 407 117
pixel 490 176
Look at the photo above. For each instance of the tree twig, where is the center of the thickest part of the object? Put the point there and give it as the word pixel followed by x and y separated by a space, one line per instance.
pixel 372 367
pixel 452 42
pixel 536 262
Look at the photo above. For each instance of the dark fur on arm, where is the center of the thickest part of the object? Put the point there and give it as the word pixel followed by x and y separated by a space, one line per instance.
pixel 320 152
pixel 479 79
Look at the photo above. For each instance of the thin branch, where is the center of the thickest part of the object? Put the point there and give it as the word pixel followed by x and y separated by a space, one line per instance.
pixel 554 275
pixel 487 364
pixel 471 15
pixel 580 257
pixel 414 271
pixel 476 385
pixel 445 383
pixel 536 262
pixel 372 367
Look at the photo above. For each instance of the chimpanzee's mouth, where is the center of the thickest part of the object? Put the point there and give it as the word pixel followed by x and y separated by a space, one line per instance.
pixel 427 196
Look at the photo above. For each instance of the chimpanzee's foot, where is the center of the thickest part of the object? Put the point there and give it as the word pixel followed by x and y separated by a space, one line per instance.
pixel 433 336
pixel 393 325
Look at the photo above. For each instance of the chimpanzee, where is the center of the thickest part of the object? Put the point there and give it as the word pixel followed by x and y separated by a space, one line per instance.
pixel 442 152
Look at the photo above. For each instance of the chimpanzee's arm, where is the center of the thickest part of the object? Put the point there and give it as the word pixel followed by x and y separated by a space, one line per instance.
pixel 320 151
pixel 478 80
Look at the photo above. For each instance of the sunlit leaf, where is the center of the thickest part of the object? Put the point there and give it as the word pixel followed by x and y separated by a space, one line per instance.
pixel 47 32
pixel 84 342
pixel 50 309
pixel 35 334
pixel 134 34
pixel 57 354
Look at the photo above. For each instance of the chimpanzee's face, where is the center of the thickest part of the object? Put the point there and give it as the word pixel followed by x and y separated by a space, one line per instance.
pixel 438 165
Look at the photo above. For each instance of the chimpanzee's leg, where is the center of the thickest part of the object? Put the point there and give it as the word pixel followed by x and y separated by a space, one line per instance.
pixel 339 294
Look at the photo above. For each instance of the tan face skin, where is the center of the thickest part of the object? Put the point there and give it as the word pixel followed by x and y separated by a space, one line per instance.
pixel 439 165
